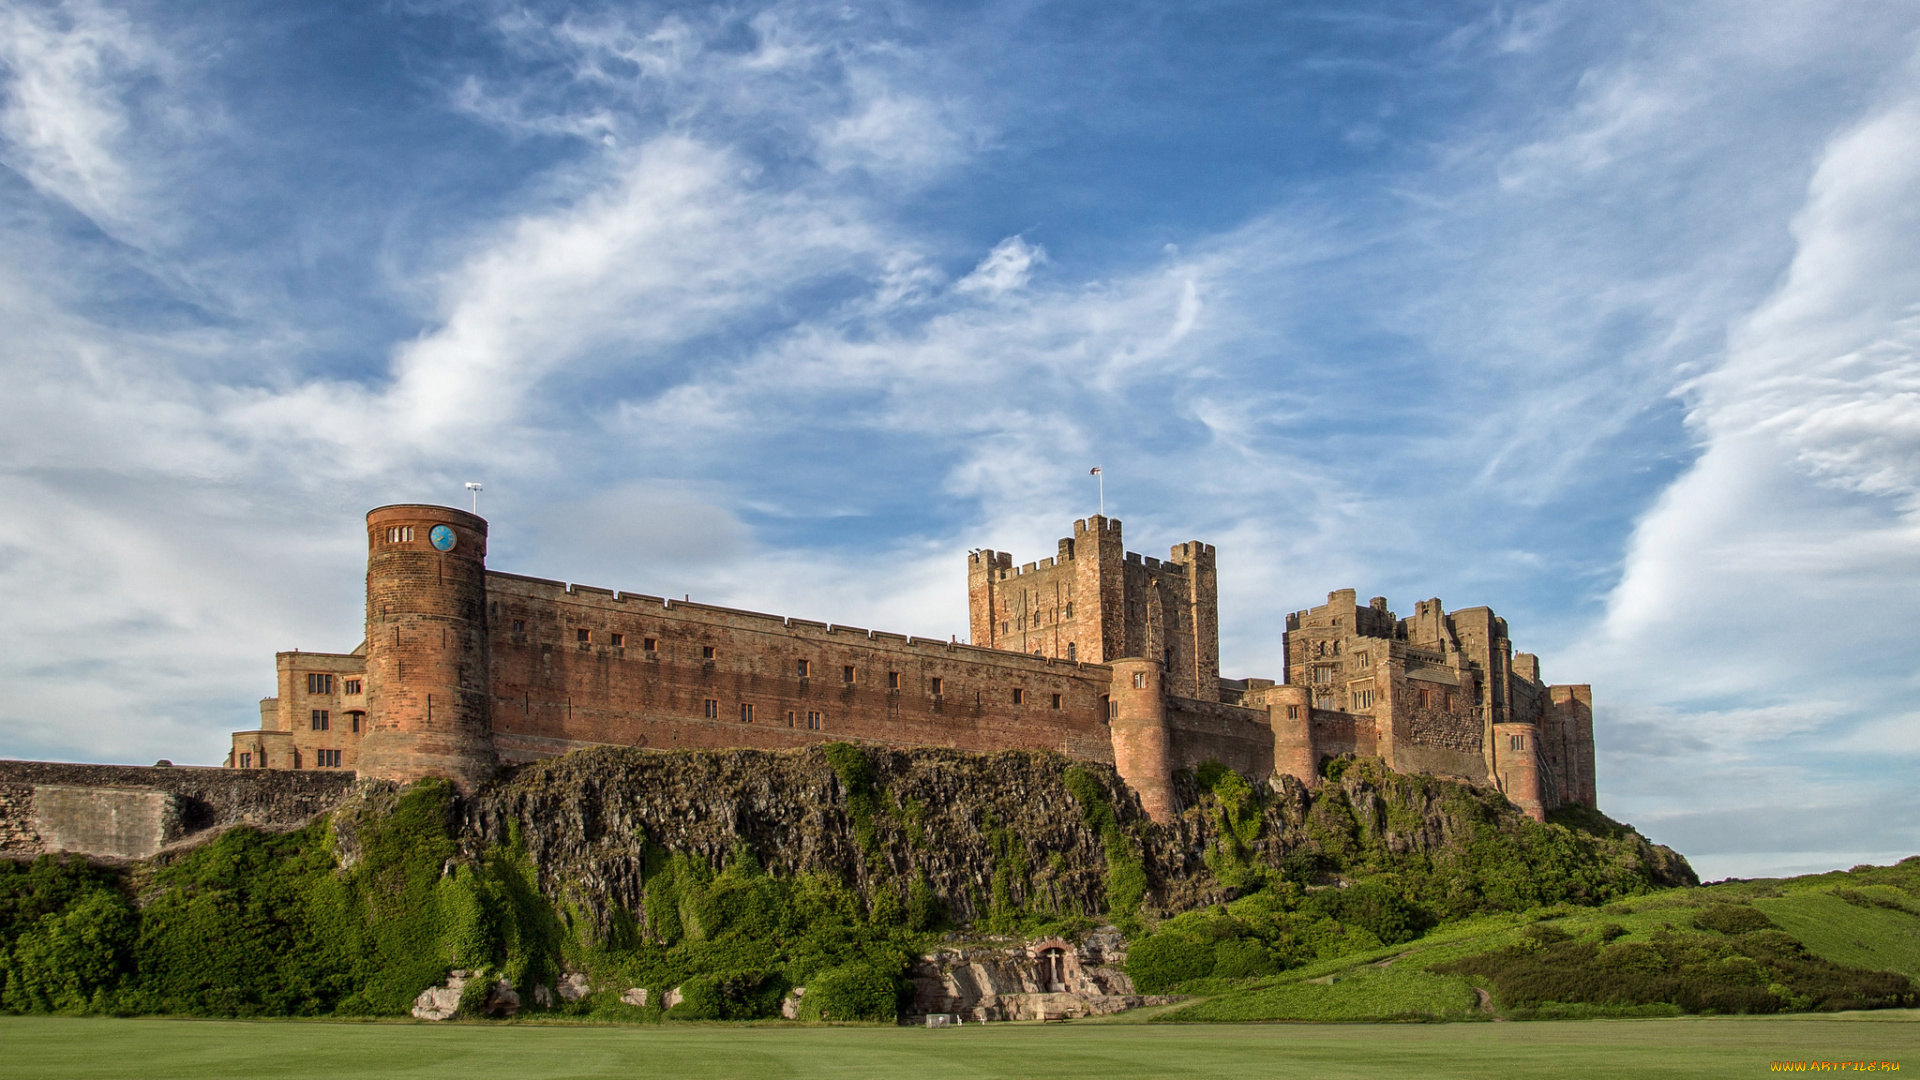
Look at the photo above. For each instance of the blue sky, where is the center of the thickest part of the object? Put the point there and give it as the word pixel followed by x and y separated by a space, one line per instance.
pixel 1605 315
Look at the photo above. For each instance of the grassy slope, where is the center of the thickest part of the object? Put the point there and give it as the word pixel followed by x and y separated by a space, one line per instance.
pixel 92 1049
pixel 1870 937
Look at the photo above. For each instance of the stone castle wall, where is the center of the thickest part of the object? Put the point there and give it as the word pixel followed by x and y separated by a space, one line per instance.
pixel 131 812
pixel 1099 654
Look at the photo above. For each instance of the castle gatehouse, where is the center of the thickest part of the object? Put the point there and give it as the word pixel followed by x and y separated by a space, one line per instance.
pixel 1096 653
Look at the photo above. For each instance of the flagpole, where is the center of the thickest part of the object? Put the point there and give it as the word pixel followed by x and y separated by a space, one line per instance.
pixel 1096 471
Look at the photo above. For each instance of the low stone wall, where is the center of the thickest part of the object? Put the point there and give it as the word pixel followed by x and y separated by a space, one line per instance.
pixel 131 812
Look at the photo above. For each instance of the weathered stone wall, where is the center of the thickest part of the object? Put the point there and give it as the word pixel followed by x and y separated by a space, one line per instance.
pixel 129 812
pixel 554 690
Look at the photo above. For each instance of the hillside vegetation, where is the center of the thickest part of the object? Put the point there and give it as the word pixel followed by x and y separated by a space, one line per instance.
pixel 736 876
pixel 1825 942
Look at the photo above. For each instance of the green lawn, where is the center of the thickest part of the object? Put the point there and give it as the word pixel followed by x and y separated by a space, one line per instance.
pixel 58 1048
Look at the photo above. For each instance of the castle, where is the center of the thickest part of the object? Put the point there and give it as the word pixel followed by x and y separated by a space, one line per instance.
pixel 1097 653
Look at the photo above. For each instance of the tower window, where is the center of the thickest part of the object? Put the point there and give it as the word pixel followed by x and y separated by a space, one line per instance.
pixel 1110 707
pixel 319 720
pixel 1293 712
pixel 1363 699
pixel 893 680
pixel 618 641
pixel 1019 696
pixel 584 637
pixel 1056 701
pixel 1139 680
pixel 400 534
pixel 246 761
pixel 354 718
pixel 706 652
pixel 519 626
pixel 1426 698
pixel 746 713
pixel 713 709
pixel 846 673
pixel 803 668
pixel 815 721
pixel 937 683
pixel 1006 627
pixel 650 644
pixel 351 686
pixel 319 684
pixel 1073 653
pixel 1069 609
pixel 789 717
pixel 1516 742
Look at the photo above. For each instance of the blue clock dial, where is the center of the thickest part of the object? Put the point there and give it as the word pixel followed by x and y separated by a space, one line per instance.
pixel 442 538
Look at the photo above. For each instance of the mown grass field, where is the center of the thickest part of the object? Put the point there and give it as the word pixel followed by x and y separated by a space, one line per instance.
pixel 98 1049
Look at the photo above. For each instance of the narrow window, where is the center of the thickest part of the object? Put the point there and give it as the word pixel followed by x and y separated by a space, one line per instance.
pixel 1426 698
pixel 936 686
pixel 1056 701
pixel 803 668
pixel 1293 712
pixel 746 713
pixel 400 534
pixel 246 761
pixel 789 717
pixel 1069 610
pixel 1139 680
pixel 1006 627
pixel 319 684
pixel 893 680
pixel 1365 660
pixel 1169 663
pixel 650 644
pixel 618 641
pixel 519 626
pixel 706 652
pixel 319 720
pixel 1113 707
pixel 846 674
pixel 1072 652
pixel 1516 742
pixel 713 709
pixel 1019 696
pixel 1449 701
pixel 815 721
pixel 584 637
pixel 352 686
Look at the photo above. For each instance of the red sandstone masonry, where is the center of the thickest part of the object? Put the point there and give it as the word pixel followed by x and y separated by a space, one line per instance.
pixel 466 667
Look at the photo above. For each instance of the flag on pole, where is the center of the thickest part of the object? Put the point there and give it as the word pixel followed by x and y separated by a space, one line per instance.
pixel 1095 471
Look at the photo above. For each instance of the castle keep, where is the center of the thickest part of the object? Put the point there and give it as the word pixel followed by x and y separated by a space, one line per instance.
pixel 1097 653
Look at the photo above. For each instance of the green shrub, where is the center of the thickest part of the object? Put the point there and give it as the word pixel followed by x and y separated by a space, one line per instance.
pixel 746 995
pixel 1731 919
pixel 852 992
pixel 1162 961
pixel 1126 870
pixel 1373 907
pixel 1242 958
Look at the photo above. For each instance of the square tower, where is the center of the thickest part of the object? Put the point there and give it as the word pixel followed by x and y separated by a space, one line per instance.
pixel 1098 602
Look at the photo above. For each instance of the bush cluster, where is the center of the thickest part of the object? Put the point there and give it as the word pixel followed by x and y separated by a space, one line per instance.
pixel 1756 971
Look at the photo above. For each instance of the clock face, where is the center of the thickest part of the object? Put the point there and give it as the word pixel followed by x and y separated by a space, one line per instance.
pixel 442 538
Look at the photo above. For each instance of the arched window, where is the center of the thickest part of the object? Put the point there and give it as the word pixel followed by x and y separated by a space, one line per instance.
pixel 1072 653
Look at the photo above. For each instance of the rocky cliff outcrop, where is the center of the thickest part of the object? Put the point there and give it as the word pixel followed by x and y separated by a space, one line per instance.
pixel 1003 832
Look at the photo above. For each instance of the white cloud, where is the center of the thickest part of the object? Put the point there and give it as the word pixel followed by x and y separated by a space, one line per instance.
pixel 1006 267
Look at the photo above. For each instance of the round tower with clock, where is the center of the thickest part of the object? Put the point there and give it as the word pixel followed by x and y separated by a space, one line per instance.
pixel 429 701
